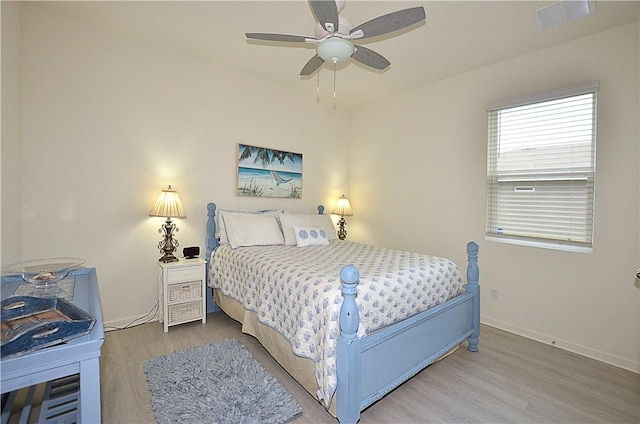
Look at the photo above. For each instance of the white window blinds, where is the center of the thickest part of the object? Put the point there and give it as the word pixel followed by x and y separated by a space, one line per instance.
pixel 541 169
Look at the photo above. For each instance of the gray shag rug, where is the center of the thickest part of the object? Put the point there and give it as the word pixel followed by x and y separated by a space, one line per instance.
pixel 217 383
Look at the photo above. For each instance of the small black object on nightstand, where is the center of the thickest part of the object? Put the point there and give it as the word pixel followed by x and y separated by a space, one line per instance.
pixel 191 252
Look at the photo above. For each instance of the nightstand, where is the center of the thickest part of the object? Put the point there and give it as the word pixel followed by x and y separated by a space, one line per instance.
pixel 182 292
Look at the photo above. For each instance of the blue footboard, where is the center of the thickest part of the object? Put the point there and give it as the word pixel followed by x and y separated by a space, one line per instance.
pixel 371 367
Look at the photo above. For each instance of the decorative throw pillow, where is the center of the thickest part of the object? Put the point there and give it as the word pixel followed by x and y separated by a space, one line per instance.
pixel 221 233
pixel 287 221
pixel 310 236
pixel 252 230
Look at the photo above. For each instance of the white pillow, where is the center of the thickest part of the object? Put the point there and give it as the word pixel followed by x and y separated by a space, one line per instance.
pixel 310 236
pixel 221 233
pixel 252 230
pixel 288 220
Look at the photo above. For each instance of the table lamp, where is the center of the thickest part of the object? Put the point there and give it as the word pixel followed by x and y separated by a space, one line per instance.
pixel 342 208
pixel 168 205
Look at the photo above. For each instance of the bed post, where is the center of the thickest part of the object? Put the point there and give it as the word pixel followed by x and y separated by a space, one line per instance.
pixel 211 241
pixel 473 287
pixel 348 350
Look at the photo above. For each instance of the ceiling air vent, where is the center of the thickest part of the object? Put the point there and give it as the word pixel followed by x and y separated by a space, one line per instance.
pixel 564 11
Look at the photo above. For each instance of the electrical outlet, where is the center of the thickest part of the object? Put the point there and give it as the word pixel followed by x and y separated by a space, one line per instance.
pixel 494 294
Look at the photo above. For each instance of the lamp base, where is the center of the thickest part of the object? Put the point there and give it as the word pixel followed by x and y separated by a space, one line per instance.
pixel 168 258
pixel 342 232
pixel 168 245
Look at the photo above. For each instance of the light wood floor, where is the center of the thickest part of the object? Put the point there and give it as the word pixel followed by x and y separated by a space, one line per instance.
pixel 510 380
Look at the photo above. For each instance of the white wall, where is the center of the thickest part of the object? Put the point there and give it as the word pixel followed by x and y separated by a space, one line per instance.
pixel 10 227
pixel 109 121
pixel 418 169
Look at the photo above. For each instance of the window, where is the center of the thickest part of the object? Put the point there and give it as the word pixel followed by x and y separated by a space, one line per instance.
pixel 541 170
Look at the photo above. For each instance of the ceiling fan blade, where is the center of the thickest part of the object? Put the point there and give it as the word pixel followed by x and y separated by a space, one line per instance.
pixel 326 11
pixel 278 37
pixel 391 22
pixel 312 65
pixel 370 58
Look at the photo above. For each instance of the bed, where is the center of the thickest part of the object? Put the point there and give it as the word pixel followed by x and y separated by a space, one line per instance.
pixel 349 335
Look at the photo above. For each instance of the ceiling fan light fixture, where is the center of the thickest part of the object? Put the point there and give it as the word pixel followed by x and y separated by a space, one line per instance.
pixel 335 49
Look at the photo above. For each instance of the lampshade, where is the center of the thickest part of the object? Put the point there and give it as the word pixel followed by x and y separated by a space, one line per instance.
pixel 168 205
pixel 343 207
pixel 335 49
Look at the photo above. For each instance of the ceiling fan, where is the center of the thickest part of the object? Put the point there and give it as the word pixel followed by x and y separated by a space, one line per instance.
pixel 334 35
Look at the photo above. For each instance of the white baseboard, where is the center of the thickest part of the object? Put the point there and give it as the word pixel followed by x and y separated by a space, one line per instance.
pixel 563 344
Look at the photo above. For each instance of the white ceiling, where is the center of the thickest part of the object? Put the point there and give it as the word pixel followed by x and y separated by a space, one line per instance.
pixel 457 36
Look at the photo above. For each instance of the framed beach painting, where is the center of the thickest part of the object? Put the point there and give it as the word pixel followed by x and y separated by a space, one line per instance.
pixel 264 172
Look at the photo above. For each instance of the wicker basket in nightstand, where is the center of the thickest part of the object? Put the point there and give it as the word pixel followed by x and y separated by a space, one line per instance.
pixel 184 312
pixel 183 292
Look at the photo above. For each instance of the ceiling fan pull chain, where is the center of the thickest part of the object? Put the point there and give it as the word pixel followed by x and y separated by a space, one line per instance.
pixel 318 83
pixel 334 85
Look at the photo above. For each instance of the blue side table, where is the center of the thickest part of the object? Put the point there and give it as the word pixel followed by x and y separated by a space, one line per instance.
pixel 79 356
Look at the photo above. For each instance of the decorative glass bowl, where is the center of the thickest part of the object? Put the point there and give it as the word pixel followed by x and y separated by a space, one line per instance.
pixel 44 273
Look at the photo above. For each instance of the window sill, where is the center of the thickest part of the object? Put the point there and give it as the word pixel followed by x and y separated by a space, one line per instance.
pixel 541 244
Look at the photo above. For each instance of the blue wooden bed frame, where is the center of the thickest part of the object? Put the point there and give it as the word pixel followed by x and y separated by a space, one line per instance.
pixel 371 367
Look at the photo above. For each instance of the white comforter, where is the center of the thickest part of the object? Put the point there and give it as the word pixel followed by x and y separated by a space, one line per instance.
pixel 296 291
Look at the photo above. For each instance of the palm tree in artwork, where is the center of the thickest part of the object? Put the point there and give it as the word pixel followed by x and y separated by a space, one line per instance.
pixel 266 156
